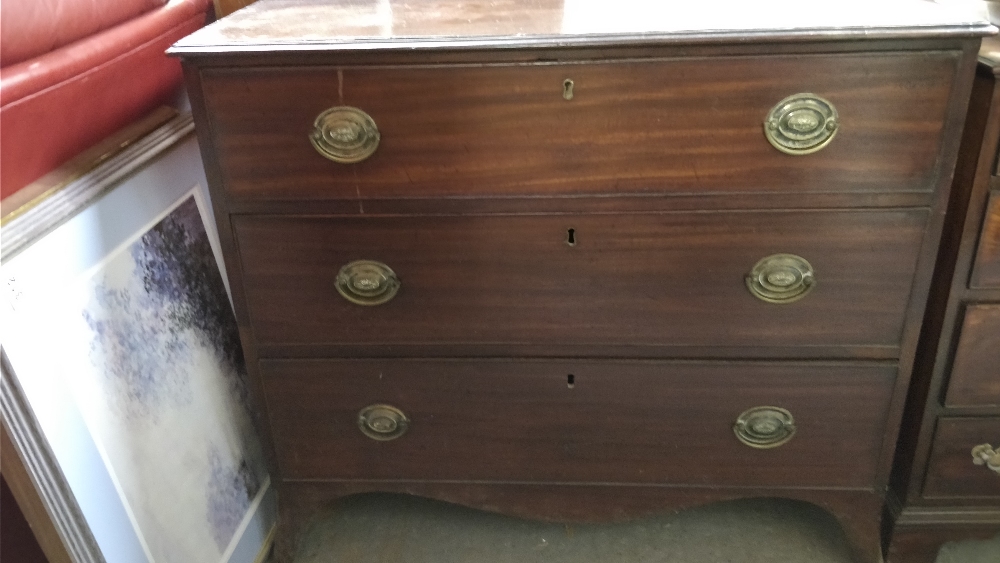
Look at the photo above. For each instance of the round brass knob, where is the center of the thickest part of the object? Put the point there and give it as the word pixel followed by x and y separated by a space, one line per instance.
pixel 764 427
pixel 801 124
pixel 382 422
pixel 781 278
pixel 984 454
pixel 367 282
pixel 345 134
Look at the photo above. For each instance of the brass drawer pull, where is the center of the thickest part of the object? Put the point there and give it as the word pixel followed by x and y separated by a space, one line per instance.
pixel 345 134
pixel 764 427
pixel 781 278
pixel 801 124
pixel 382 422
pixel 984 454
pixel 367 282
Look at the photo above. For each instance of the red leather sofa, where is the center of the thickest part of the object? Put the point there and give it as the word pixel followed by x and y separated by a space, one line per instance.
pixel 72 72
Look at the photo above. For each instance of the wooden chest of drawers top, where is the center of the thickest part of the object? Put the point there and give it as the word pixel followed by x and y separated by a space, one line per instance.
pixel 497 29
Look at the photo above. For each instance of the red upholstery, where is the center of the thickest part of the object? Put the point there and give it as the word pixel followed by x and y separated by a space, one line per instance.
pixel 29 28
pixel 54 106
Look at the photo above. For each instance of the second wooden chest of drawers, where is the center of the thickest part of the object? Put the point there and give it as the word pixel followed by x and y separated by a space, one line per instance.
pixel 946 484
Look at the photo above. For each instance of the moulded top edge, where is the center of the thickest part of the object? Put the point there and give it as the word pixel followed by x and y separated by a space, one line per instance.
pixel 363 25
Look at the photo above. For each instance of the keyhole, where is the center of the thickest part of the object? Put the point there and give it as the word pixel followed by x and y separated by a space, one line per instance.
pixel 571 237
pixel 570 381
pixel 567 89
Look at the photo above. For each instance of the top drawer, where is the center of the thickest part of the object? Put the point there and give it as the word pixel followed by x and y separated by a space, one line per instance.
pixel 667 126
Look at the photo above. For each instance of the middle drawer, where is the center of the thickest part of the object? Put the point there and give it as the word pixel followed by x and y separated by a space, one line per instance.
pixel 646 279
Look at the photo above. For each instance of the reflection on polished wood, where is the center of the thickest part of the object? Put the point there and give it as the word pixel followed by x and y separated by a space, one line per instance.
pixel 365 24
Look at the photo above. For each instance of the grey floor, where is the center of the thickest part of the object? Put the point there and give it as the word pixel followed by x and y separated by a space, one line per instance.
pixel 399 529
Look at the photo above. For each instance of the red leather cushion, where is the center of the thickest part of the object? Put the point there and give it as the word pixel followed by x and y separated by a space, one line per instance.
pixel 29 28
pixel 54 106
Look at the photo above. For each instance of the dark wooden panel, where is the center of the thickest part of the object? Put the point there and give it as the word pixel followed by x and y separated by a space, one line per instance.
pixel 19 545
pixel 975 374
pixel 986 271
pixel 631 280
pixel 921 543
pixel 642 422
pixel 950 471
pixel 26 500
pixel 675 126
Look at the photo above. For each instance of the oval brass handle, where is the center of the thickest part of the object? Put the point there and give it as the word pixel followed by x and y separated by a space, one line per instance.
pixel 345 134
pixel 781 278
pixel 382 422
pixel 801 124
pixel 984 454
pixel 367 282
pixel 764 427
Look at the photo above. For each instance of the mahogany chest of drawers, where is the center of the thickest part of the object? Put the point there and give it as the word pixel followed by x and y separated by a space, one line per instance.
pixel 578 262
pixel 947 482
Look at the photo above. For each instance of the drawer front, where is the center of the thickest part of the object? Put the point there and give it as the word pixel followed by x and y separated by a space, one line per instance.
pixel 975 373
pixel 986 270
pixel 951 471
pixel 658 279
pixel 678 126
pixel 642 422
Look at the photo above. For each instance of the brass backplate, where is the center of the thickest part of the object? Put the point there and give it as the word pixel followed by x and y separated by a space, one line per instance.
pixel 764 427
pixel 345 134
pixel 382 422
pixel 367 282
pixel 801 124
pixel 781 278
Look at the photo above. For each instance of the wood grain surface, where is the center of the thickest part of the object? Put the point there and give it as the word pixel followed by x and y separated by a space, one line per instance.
pixel 638 279
pixel 625 422
pixel 669 126
pixel 975 373
pixel 986 269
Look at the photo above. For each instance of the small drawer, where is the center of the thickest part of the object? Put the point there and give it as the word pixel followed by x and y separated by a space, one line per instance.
pixel 975 372
pixel 659 126
pixel 952 471
pixel 648 279
pixel 579 421
pixel 986 270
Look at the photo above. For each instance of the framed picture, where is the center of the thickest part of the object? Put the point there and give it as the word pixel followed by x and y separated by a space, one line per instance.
pixel 120 343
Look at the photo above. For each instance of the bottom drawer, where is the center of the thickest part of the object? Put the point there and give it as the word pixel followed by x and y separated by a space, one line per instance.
pixel 584 421
pixel 951 471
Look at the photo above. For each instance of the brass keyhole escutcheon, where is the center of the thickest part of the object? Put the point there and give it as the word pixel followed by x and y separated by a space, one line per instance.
pixel 801 124
pixel 345 134
pixel 367 282
pixel 764 427
pixel 567 89
pixel 781 278
pixel 382 422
